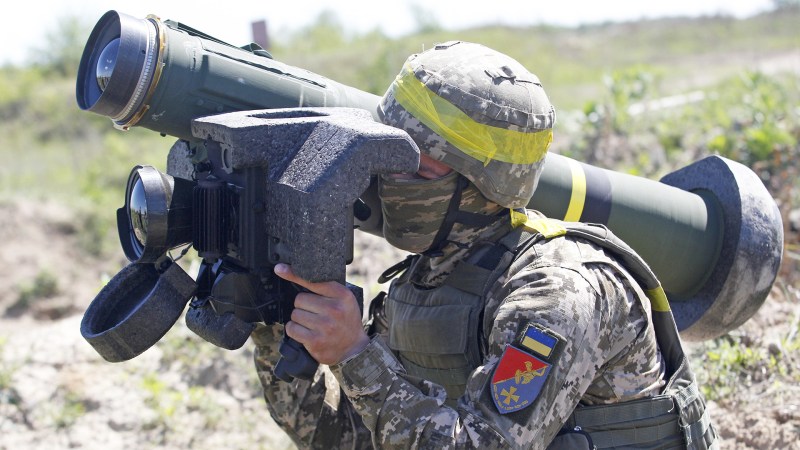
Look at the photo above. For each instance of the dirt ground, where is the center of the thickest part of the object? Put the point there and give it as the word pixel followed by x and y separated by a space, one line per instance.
pixel 56 392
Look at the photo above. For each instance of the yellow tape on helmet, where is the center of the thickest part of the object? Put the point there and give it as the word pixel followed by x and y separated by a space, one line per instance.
pixel 480 141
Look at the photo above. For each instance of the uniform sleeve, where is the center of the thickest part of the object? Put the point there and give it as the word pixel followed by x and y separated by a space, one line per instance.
pixel 404 412
pixel 313 413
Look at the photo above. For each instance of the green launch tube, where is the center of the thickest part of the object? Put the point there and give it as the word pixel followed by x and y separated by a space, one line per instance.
pixel 710 231
pixel 678 233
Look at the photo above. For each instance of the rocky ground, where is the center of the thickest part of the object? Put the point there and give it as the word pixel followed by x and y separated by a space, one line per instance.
pixel 56 392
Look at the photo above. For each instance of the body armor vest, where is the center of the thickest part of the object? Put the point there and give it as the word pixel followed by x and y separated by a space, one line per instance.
pixel 437 335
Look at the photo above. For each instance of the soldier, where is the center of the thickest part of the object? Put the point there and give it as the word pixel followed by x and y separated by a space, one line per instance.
pixel 504 329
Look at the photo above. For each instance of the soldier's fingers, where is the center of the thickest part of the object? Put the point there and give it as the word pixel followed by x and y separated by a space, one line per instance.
pixel 329 289
pixel 299 333
pixel 313 303
pixel 308 319
pixel 325 310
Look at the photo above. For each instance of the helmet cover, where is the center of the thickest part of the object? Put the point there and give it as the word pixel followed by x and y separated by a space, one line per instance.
pixel 478 111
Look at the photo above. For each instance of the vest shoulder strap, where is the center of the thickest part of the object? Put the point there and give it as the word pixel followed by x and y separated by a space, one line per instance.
pixel 603 237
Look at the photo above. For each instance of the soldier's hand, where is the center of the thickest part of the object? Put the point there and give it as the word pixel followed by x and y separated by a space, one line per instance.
pixel 326 320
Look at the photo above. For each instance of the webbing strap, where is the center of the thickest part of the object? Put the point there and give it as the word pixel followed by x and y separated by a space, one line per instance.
pixel 695 432
pixel 474 275
pixel 518 239
pixel 687 395
pixel 659 434
pixel 633 262
pixel 603 415
pixel 440 240
pixel 469 278
pixel 606 423
pixel 601 236
pixel 397 269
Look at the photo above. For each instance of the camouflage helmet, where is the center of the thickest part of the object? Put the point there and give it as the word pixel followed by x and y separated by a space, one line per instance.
pixel 478 111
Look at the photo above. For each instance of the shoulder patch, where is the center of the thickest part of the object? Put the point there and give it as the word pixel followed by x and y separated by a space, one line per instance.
pixel 523 368
pixel 517 380
pixel 540 341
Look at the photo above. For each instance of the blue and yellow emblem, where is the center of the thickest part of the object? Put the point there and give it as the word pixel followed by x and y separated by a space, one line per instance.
pixel 518 379
pixel 539 341
pixel 519 376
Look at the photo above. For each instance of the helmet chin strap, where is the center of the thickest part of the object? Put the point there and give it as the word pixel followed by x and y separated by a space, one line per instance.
pixel 453 215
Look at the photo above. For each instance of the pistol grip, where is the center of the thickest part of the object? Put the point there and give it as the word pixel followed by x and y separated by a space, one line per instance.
pixel 295 361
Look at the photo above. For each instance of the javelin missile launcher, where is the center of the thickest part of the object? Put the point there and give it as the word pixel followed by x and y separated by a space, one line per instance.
pixel 252 187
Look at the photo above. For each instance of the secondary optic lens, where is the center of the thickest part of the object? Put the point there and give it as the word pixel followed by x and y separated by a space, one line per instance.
pixel 138 212
pixel 106 63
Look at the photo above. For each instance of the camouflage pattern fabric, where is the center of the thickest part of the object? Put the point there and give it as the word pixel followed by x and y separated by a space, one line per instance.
pixel 414 209
pixel 314 413
pixel 565 285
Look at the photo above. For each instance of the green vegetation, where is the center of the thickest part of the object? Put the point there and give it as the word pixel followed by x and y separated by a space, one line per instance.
pixel 569 61
pixel 734 363
pixel 6 372
pixel 67 410
pixel 162 400
pixel 202 370
pixel 11 404
pixel 43 286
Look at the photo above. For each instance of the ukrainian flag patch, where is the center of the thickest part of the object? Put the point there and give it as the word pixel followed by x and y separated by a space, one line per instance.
pixel 539 341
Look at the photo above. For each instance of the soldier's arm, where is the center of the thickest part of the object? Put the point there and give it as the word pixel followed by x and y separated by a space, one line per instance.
pixel 313 413
pixel 522 410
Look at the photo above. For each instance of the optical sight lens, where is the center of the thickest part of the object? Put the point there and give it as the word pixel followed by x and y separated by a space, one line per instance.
pixel 106 63
pixel 138 212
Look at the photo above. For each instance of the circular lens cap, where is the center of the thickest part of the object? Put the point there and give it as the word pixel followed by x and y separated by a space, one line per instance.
pixel 135 310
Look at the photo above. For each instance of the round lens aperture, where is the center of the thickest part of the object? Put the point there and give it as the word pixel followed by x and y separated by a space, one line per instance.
pixel 157 214
pixel 138 212
pixel 106 63
pixel 127 50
